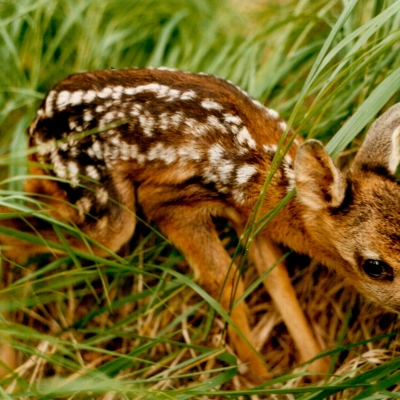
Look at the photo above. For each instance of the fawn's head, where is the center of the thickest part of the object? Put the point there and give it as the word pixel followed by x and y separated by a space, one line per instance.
pixel 355 216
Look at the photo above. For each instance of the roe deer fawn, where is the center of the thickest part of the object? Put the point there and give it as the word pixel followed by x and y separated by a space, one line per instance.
pixel 186 147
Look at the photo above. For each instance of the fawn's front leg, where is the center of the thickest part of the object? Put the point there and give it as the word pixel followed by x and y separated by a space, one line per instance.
pixel 192 231
pixel 265 255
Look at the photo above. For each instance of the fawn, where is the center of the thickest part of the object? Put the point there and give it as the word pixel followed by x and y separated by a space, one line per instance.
pixel 187 147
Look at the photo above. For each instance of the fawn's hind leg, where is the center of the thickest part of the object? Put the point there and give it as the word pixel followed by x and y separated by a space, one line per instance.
pixel 192 231
pixel 110 232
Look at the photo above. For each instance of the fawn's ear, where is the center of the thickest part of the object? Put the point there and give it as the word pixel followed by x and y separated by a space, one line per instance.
pixel 380 151
pixel 319 183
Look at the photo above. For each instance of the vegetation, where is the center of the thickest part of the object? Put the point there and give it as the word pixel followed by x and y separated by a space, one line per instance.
pixel 135 325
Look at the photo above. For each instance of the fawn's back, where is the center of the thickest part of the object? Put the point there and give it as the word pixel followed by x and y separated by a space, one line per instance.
pixel 106 133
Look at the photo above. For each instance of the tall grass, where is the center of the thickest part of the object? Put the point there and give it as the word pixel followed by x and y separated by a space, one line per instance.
pixel 135 325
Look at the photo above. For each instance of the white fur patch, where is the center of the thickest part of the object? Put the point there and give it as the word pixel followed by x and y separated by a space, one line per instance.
pixel 49 103
pixel 211 105
pixel 225 171
pixel 107 118
pixel 159 152
pixel 274 114
pixel 105 92
pixel 92 172
pixel 102 195
pixel 89 96
pixel 188 153
pixel 244 173
pixel 147 123
pixel 87 115
pixel 117 92
pixel 195 127
pixel 216 153
pixel 73 171
pixel 272 148
pixel 76 97
pixel 282 126
pixel 63 99
pixel 176 119
pixel 97 150
pixel 188 95
pixel 238 196
pixel 233 119
pixel 136 110
pixel 244 137
pixel 213 121
pixel 83 204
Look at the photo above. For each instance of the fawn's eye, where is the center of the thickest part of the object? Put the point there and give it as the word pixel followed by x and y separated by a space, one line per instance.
pixel 378 270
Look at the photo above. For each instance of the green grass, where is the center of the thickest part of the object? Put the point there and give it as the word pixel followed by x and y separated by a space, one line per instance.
pixel 134 325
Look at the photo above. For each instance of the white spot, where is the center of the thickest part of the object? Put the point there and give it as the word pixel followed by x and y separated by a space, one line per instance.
pixel 100 109
pixel 147 123
pixel 63 99
pixel 60 168
pixel 163 91
pixel 111 150
pixel 244 137
pixel 49 103
pixel 83 204
pixel 256 102
pixel 73 171
pixel 155 152
pixel 117 92
pixel 214 122
pixel 128 151
pixel 238 196
pixel 270 148
pixel 195 127
pixel 188 153
pixel 105 92
pixel 176 119
pixel 166 154
pixel 92 172
pixel 164 121
pixel 130 91
pixel 87 116
pixel 225 171
pixel 282 126
pixel 166 69
pixel 188 95
pixel 102 195
pixel 274 114
pixel 40 112
pixel 173 94
pixel 76 97
pixel 169 155
pixel 108 118
pixel 89 96
pixel 216 153
pixel 244 173
pixel 97 150
pixel 232 119
pixel 136 110
pixel 211 105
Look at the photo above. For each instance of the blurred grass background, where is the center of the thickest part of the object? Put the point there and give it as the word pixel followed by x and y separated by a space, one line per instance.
pixel 135 325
